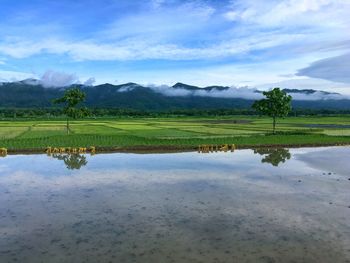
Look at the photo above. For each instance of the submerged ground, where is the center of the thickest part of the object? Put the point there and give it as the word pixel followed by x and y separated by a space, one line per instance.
pixel 275 205
pixel 182 132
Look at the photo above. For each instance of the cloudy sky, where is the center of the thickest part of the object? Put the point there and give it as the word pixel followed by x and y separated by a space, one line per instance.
pixel 290 43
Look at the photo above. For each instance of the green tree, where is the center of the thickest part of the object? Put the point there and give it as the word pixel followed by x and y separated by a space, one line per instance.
pixel 71 99
pixel 277 104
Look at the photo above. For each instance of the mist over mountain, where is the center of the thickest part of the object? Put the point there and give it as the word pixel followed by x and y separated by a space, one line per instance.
pixel 32 93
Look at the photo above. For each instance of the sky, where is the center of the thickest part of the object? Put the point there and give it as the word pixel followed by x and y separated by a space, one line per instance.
pixel 241 43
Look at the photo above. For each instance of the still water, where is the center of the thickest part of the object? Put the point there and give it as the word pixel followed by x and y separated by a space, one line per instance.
pixel 285 205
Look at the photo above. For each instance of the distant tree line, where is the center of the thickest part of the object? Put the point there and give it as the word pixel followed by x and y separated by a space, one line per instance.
pixel 58 112
pixel 275 104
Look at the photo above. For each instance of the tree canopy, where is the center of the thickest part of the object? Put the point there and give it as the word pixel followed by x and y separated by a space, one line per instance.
pixel 277 104
pixel 71 99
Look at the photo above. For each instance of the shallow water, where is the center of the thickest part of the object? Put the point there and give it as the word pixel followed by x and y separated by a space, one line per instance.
pixel 246 206
pixel 335 126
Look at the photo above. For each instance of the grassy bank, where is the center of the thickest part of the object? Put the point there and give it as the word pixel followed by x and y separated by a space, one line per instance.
pixel 180 133
pixel 110 142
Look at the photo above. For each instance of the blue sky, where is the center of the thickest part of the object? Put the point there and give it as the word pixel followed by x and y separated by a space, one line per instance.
pixel 290 43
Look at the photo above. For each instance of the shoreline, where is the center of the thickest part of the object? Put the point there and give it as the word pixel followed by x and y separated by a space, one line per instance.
pixel 174 148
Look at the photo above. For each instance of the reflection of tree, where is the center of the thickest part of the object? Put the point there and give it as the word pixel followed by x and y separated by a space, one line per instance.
pixel 72 160
pixel 273 156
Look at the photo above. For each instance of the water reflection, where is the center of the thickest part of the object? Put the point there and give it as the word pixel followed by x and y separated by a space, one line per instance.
pixel 183 207
pixel 73 161
pixel 3 152
pixel 274 156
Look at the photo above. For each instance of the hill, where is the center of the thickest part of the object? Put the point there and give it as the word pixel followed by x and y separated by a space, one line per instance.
pixel 30 94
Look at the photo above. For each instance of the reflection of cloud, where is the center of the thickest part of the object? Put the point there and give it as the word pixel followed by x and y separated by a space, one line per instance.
pixel 207 191
pixel 3 168
pixel 238 176
pixel 337 162
pixel 238 167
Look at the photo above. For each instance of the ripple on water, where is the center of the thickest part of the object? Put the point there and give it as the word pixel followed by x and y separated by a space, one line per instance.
pixel 184 207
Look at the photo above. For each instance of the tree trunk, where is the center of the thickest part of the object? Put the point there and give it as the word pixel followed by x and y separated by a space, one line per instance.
pixel 67 125
pixel 274 125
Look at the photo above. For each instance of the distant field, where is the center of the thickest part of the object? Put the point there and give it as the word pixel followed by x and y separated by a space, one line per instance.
pixel 242 130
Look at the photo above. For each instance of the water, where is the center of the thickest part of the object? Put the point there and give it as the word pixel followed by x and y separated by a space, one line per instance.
pixel 335 126
pixel 247 206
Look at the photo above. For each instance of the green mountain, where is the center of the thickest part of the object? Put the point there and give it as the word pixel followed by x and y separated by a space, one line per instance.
pixel 30 93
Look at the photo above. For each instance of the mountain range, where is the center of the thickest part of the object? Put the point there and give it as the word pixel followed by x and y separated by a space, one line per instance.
pixel 31 93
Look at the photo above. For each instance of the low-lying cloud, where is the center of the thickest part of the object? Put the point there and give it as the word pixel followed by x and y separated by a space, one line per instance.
pixel 240 93
pixel 54 79
pixel 230 92
pixel 58 79
pixel 90 82
pixel 317 95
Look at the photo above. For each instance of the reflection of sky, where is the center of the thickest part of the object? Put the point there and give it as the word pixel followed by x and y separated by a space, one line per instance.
pixel 335 160
pixel 146 169
pixel 180 194
pixel 121 161
pixel 238 171
pixel 325 159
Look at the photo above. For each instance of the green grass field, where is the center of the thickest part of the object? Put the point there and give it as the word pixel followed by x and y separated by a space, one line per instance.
pixel 174 132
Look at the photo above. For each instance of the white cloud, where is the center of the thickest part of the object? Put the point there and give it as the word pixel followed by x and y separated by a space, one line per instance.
pixel 139 50
pixel 318 95
pixel 90 81
pixel 287 10
pixel 157 3
pixel 311 83
pixel 49 79
pixel 169 91
pixel 10 76
pixel 127 88
pixel 54 79
pixel 163 24
pixel 334 69
pixel 163 35
pixel 317 13
pixel 263 31
pixel 58 79
pixel 238 92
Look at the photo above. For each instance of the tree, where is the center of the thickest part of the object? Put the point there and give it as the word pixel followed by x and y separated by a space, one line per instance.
pixel 71 99
pixel 277 104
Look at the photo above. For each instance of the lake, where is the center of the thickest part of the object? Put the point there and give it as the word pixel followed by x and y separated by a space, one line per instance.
pixel 267 205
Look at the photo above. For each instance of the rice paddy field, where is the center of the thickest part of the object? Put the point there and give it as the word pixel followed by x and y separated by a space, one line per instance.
pixel 181 132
